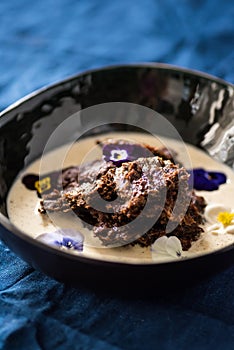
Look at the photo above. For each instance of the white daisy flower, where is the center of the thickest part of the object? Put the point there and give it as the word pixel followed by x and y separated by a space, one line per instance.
pixel 221 219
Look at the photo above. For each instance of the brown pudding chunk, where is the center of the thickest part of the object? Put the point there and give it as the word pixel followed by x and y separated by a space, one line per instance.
pixel 131 203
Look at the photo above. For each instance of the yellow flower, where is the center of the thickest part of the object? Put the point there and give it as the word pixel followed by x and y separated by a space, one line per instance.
pixel 225 218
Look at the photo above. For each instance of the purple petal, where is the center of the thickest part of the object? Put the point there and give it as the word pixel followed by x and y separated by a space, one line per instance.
pixel 140 152
pixel 207 180
pixel 70 243
pixel 218 177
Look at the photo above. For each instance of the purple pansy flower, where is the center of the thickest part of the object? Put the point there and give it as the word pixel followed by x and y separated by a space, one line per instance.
pixel 120 153
pixel 207 180
pixel 64 238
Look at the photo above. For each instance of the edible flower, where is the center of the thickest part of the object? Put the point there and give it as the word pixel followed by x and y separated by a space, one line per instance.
pixel 120 153
pixel 221 219
pixel 167 247
pixel 41 185
pixel 225 218
pixel 207 180
pixel 63 239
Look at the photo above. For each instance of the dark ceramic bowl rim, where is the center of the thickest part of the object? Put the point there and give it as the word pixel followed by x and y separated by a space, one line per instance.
pixel 85 259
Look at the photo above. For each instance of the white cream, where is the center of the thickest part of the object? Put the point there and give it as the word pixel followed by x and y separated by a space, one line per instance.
pixel 23 204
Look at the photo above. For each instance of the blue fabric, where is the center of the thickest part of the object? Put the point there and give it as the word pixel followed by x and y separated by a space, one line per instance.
pixel 42 41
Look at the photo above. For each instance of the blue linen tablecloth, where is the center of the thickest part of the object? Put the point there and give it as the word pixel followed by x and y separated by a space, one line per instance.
pixel 43 41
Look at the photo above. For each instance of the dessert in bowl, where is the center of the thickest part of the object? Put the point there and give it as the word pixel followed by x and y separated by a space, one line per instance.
pixel 87 216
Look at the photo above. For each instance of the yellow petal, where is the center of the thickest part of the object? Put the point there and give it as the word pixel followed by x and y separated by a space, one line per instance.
pixel 225 218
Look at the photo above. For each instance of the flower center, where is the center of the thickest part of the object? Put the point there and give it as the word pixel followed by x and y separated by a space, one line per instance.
pixel 225 218
pixel 118 155
pixel 69 244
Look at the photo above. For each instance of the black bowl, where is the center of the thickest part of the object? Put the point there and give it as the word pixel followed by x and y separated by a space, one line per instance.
pixel 199 106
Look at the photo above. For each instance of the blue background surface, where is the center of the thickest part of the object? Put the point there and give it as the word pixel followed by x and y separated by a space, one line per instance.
pixel 44 41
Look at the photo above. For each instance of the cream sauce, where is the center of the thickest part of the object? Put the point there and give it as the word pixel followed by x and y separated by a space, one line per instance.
pixel 23 204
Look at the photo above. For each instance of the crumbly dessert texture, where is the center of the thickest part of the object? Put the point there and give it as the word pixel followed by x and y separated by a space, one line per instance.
pixel 113 199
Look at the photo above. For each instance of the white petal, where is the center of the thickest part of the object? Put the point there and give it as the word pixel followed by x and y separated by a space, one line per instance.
pixel 230 229
pixel 49 237
pixel 159 246
pixel 213 210
pixel 174 247
pixel 215 233
pixel 216 229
